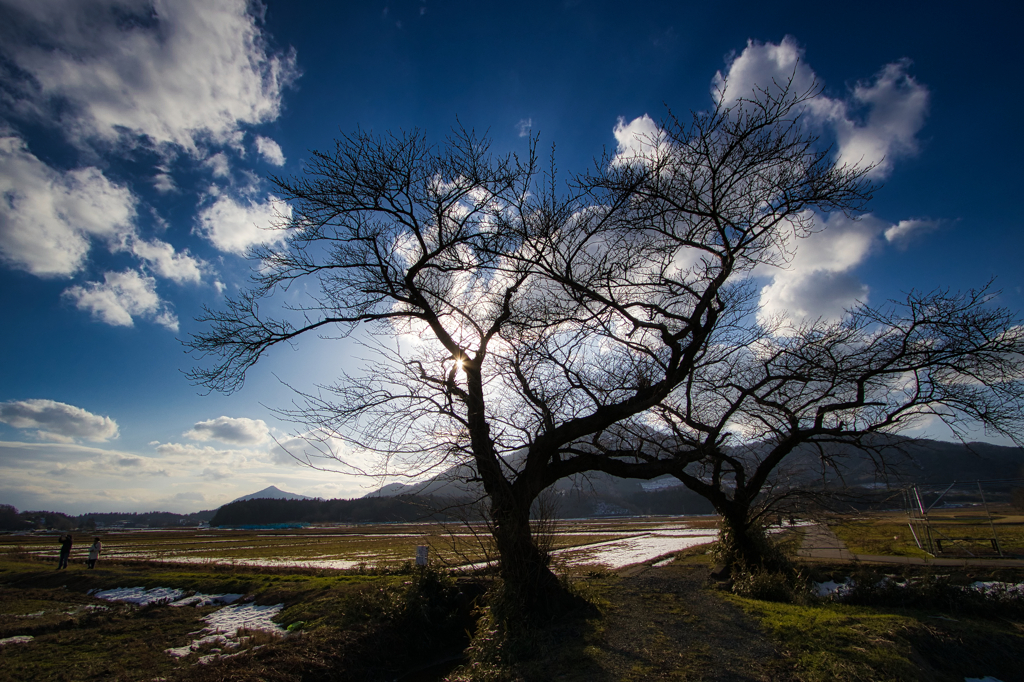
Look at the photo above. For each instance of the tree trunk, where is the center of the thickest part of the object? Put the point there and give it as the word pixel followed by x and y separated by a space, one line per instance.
pixel 523 565
pixel 745 542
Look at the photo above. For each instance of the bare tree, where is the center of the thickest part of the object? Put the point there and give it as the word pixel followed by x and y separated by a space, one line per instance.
pixel 838 390
pixel 520 332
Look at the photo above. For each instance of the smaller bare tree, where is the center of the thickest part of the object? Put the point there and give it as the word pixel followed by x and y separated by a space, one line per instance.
pixel 842 390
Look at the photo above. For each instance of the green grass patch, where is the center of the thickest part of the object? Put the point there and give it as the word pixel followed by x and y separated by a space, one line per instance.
pixel 866 535
pixel 829 641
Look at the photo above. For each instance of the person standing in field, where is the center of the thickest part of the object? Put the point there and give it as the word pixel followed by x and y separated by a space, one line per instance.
pixel 65 550
pixel 94 552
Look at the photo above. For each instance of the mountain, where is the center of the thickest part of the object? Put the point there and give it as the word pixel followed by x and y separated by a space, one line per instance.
pixel 272 493
pixel 919 461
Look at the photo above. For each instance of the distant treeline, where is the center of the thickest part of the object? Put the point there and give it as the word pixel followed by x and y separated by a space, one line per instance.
pixel 414 508
pixel 12 519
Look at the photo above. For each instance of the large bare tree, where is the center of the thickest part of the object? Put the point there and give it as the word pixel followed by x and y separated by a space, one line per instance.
pixel 526 332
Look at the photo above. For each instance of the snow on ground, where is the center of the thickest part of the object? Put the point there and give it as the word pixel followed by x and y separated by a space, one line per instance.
pixel 198 599
pixel 224 625
pixel 140 595
pixel 831 588
pixel 17 639
pixel 164 595
pixel 637 549
pixel 1009 589
pixel 282 563
pixel 834 589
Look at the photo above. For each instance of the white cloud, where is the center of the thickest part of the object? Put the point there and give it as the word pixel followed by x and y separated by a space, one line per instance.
pixel 121 297
pixel 159 255
pixel 636 139
pixel 234 430
pixel 905 231
pixel 176 71
pixel 524 126
pixel 818 282
pixel 270 150
pixel 49 218
pixel 895 103
pixel 164 183
pixel 57 421
pixel 234 226
pixel 75 478
pixel 898 105
pixel 763 66
pixel 218 165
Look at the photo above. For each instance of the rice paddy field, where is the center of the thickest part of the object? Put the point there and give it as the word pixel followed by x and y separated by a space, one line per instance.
pixel 608 543
pixel 955 532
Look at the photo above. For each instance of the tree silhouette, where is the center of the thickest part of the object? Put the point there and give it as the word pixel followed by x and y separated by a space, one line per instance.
pixel 524 332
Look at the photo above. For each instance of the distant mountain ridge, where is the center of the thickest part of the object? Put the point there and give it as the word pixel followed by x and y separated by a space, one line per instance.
pixel 272 493
pixel 920 461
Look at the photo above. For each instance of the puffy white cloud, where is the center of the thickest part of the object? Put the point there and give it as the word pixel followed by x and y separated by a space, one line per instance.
pixel 897 107
pixel 57 421
pixel 162 258
pixel 233 226
pixel 121 297
pixel 895 103
pixel 234 430
pixel 270 150
pixel 905 231
pixel 818 282
pixel 524 126
pixel 176 71
pixel 636 139
pixel 49 218
pixel 763 66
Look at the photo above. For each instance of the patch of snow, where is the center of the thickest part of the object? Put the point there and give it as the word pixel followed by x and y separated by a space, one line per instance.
pixel 198 599
pixel 290 562
pixel 638 549
pixel 831 588
pixel 224 624
pixel 663 562
pixel 17 639
pixel 140 595
pixel 997 588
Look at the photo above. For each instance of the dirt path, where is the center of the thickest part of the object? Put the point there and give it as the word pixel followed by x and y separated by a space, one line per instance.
pixel 821 543
pixel 664 623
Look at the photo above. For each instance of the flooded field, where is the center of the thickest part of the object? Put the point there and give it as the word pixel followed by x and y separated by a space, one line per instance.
pixel 598 542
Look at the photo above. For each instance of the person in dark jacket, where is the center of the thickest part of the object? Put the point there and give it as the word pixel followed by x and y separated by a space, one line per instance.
pixel 65 550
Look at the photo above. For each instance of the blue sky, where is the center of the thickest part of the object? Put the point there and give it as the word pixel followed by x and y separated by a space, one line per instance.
pixel 136 137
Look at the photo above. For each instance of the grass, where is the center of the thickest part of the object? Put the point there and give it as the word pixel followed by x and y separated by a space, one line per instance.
pixel 964 532
pixel 867 535
pixel 79 637
pixel 829 641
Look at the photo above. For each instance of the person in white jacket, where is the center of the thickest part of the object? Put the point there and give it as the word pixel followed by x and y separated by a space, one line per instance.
pixel 94 552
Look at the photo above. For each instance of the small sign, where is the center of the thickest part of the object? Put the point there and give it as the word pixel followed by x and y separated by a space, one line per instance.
pixel 421 555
